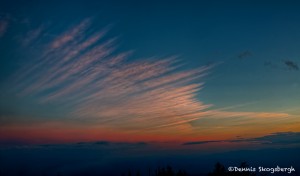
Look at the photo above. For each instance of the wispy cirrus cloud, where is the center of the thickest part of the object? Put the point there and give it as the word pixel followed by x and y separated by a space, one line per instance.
pixel 98 84
pixel 83 72
pixel 32 36
pixel 70 35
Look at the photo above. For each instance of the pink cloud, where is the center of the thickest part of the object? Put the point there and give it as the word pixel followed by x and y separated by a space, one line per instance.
pixel 70 35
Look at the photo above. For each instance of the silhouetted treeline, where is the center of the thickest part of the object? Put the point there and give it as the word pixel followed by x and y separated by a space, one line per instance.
pixel 220 170
pixel 160 171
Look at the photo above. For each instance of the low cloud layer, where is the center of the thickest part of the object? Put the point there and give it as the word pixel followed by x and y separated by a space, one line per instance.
pixel 280 138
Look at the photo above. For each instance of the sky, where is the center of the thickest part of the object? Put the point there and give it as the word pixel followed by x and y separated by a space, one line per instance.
pixel 82 71
pixel 149 71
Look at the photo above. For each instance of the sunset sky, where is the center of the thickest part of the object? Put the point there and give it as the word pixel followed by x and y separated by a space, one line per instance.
pixel 193 72
pixel 94 87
